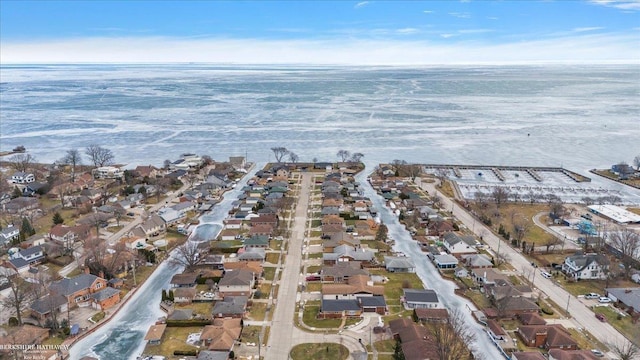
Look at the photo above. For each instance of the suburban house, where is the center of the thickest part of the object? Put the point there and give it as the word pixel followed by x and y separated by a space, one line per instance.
pixel 43 307
pixel 22 178
pixel 146 171
pixel 477 261
pixel 357 285
pixel 186 280
pixel 20 205
pixel 445 261
pixel 345 253
pixel 80 290
pixel 252 254
pixel 553 336
pixel 417 344
pixel 257 241
pixel 420 299
pixel 399 264
pixel 528 355
pixel 230 307
pixel 560 354
pixel 154 335
pixel 425 315
pixel 337 308
pixel 457 245
pixel 586 267
pixel 66 235
pixel 153 224
pixel 222 335
pixel 184 295
pixel 31 255
pixel 628 297
pixel 233 224
pixel 107 172
pixel 342 271
pixel 236 283
pixel 105 298
pixel 8 234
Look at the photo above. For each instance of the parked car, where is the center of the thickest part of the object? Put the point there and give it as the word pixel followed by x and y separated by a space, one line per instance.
pixel 545 274
pixel 604 299
pixel 592 296
pixel 601 317
pixel 597 352
pixel 313 278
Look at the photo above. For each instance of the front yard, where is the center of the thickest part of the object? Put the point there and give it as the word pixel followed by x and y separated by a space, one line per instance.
pixel 174 338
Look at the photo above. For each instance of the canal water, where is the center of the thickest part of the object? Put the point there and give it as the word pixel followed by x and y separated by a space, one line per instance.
pixel 123 336
pixel 483 346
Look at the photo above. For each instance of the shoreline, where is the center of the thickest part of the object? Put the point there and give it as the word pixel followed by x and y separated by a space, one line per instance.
pixel 108 317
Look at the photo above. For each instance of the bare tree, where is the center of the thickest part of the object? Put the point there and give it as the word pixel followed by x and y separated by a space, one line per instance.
pixel 20 295
pixel 551 241
pixel 293 157
pixel 356 157
pixel 99 156
pixel 636 162
pixel 410 170
pixel 22 162
pixel 500 195
pixel 625 351
pixel 502 258
pixel 451 337
pixel 442 174
pixel 73 158
pixel 279 152
pixel 187 256
pixel 627 242
pixel 343 155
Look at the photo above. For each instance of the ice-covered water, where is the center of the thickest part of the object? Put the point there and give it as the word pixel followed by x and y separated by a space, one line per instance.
pixel 579 117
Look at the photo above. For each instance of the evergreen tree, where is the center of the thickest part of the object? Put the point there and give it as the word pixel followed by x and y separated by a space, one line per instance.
pixel 57 219
pixel 26 229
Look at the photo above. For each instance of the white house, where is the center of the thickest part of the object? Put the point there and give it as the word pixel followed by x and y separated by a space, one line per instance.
pixel 458 245
pixel 31 255
pixel 108 172
pixel 589 266
pixel 236 283
pixel 232 224
pixel 8 234
pixel 22 178
pixel 420 299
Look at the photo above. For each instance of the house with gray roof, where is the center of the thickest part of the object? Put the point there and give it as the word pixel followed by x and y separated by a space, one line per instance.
pixel 31 255
pixel 375 304
pixel 231 306
pixel 252 254
pixel 79 289
pixel 339 308
pixel 152 225
pixel 399 264
pixel 8 234
pixel 44 306
pixel 257 241
pixel 20 265
pixel 348 253
pixel 586 266
pixel 420 299
pixel 477 261
pixel 457 244
pixel 629 297
pixel 445 261
pixel 212 355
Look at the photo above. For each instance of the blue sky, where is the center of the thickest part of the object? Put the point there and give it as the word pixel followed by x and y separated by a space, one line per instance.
pixel 321 32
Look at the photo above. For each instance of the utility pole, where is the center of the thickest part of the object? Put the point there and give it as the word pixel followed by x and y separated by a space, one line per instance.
pixel 135 283
pixel 567 309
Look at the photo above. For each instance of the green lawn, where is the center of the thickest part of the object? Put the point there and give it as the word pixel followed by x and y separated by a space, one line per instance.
pixel 319 351
pixel 250 334
pixel 314 286
pixel 478 299
pixel 265 289
pixel 257 311
pixel 385 345
pixel 269 273
pixel 203 308
pixel 315 255
pixel 273 258
pixel 624 325
pixel 314 269
pixel 393 287
pixel 311 309
pixel 174 338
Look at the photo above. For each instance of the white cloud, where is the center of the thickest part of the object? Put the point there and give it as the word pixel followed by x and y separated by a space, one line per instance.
pixel 428 11
pixel 461 15
pixel 585 29
pixel 407 31
pixel 619 4
pixel 361 4
pixel 579 48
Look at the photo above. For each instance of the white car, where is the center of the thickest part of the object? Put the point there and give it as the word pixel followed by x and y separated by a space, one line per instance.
pixel 597 353
pixel 545 274
pixel 604 299
pixel 592 296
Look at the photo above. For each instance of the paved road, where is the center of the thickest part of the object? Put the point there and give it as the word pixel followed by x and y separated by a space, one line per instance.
pixel 567 244
pixel 283 331
pixel 582 315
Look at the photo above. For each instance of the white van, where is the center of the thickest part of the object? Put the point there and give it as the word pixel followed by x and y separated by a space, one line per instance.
pixel 545 274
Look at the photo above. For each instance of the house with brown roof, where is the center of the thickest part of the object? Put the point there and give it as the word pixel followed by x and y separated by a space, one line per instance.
pixel 527 355
pixel 553 336
pixel 512 306
pixel 222 335
pixel 358 285
pixel 531 319
pixel 22 335
pixel 252 266
pixel 146 171
pixel 184 295
pixel 417 342
pixel 342 271
pixel 66 235
pixel 82 289
pixel 333 220
pixel 431 315
pixel 560 354
pixel 154 335
pixel 265 219
pixel 184 280
pixel 236 283
pixel 439 228
pixel 261 230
